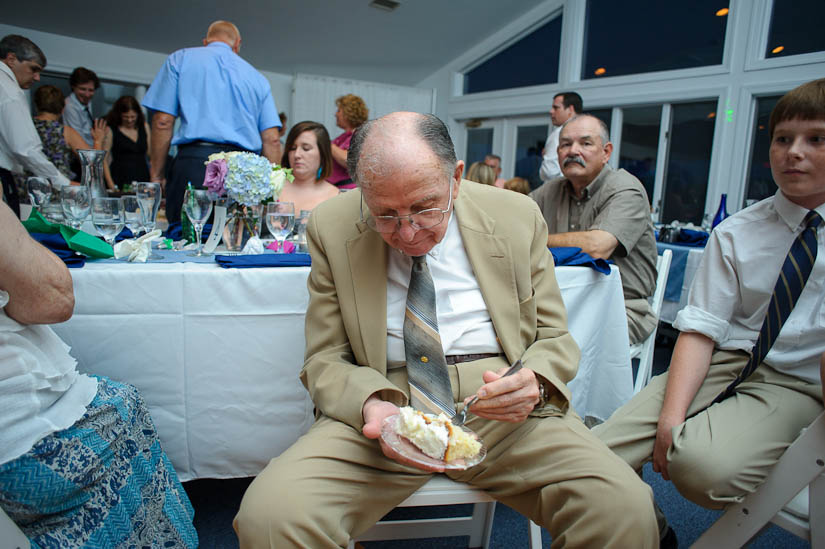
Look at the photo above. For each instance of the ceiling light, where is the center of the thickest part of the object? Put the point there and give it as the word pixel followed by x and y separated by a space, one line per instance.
pixel 386 5
pixel 723 12
pixel 711 115
pixel 777 49
pixel 600 71
pixel 761 126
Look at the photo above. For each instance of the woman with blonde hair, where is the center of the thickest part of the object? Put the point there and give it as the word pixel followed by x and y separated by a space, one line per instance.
pixel 481 173
pixel 351 113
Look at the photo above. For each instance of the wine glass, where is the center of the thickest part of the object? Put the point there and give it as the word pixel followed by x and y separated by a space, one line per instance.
pixel 108 217
pixel 198 206
pixel 148 195
pixel 76 202
pixel 280 218
pixel 40 191
pixel 132 214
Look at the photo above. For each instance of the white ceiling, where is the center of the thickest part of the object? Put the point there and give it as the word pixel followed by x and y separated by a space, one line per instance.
pixel 344 38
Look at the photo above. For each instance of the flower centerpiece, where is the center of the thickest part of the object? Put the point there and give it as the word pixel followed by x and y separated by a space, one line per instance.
pixel 248 181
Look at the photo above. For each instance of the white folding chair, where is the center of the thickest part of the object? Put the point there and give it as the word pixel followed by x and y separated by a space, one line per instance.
pixel 793 497
pixel 440 490
pixel 10 535
pixel 644 349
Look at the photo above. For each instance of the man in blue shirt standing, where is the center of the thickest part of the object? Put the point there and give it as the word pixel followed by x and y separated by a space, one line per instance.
pixel 224 104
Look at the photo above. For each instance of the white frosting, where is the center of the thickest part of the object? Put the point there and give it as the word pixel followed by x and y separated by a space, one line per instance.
pixel 431 438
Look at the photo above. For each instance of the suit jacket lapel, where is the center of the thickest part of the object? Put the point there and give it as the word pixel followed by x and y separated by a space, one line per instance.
pixel 367 254
pixel 492 263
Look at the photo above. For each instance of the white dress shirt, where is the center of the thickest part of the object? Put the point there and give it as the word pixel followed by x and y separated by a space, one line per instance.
pixel 464 324
pixel 41 391
pixel 733 285
pixel 550 162
pixel 20 145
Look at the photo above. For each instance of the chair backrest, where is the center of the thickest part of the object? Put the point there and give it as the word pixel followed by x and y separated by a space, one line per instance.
pixel 10 534
pixel 644 349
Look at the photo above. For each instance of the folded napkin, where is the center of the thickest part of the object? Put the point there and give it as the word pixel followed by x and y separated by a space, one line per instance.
pixel 688 237
pixel 137 250
pixel 175 231
pixel 263 260
pixel 289 247
pixel 569 256
pixel 57 244
pixel 74 239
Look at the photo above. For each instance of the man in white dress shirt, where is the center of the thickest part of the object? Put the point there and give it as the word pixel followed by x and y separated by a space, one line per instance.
pixel 565 106
pixel 20 147
pixel 78 111
pixel 717 451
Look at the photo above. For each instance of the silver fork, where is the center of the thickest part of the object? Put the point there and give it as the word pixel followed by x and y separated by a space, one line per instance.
pixel 461 417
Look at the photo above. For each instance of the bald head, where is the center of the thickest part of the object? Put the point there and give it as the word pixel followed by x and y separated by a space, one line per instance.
pixel 226 32
pixel 381 147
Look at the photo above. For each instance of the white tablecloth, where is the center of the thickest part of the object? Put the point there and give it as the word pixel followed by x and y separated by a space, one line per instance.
pixel 216 353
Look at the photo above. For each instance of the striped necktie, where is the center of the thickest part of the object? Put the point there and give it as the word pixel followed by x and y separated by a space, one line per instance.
pixel 792 278
pixel 430 389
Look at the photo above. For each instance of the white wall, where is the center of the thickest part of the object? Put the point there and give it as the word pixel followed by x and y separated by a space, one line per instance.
pixel 742 77
pixel 129 65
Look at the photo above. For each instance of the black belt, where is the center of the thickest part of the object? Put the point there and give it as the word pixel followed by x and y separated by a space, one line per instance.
pixel 458 359
pixel 225 146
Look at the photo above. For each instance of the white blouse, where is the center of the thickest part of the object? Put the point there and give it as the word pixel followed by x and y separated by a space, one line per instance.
pixel 41 391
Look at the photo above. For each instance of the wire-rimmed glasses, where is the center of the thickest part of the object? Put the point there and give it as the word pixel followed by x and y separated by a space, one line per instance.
pixel 425 219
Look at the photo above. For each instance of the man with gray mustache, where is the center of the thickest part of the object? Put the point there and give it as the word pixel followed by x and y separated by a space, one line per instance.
pixel 604 212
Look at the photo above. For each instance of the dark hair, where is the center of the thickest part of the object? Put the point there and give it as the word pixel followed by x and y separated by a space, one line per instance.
pixel 22 48
pixel 428 127
pixel 49 99
pixel 321 136
pixel 81 75
pixel 492 156
pixel 569 99
pixel 806 102
pixel 124 104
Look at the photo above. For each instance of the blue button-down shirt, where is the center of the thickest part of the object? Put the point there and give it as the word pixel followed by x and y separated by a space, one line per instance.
pixel 218 97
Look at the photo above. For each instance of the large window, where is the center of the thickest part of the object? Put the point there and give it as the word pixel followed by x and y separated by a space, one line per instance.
pixel 530 142
pixel 796 27
pixel 640 144
pixel 688 166
pixel 760 180
pixel 652 35
pixel 479 144
pixel 532 61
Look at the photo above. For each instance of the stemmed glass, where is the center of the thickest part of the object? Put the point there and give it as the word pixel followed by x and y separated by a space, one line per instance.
pixel 108 217
pixel 280 218
pixel 132 213
pixel 148 195
pixel 76 203
pixel 198 206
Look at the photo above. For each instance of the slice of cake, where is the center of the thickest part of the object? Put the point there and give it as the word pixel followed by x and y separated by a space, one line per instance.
pixel 436 436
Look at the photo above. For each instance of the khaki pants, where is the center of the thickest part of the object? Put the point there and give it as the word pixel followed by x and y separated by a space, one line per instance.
pixel 334 483
pixel 723 452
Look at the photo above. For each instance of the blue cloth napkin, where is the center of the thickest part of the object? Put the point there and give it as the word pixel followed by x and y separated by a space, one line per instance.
pixel 568 256
pixel 676 275
pixel 263 260
pixel 57 244
pixel 697 239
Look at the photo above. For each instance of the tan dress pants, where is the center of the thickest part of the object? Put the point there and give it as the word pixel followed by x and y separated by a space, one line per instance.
pixel 334 483
pixel 724 452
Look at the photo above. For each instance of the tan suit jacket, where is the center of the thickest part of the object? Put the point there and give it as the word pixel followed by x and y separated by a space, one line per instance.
pixel 505 237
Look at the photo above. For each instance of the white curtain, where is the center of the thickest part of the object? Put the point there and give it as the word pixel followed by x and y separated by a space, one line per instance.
pixel 313 98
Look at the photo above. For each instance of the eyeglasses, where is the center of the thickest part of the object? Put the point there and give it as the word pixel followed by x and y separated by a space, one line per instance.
pixel 424 219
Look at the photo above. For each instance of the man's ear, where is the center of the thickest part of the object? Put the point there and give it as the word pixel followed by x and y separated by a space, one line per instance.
pixel 9 59
pixel 236 47
pixel 608 150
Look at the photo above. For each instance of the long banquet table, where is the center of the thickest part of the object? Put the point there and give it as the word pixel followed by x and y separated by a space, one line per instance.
pixel 216 352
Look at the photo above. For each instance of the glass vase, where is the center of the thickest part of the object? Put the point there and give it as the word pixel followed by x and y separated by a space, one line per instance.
pixel 721 213
pixel 91 171
pixel 242 223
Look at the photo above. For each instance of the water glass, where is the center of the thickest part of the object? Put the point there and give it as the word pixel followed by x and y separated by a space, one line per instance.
pixel 301 231
pixel 76 202
pixel 108 217
pixel 280 218
pixel 149 196
pixel 133 217
pixel 198 206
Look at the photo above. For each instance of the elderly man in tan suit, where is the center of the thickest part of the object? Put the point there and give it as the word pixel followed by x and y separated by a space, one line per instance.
pixel 497 301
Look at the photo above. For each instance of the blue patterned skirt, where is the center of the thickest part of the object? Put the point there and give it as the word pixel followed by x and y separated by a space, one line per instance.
pixel 103 482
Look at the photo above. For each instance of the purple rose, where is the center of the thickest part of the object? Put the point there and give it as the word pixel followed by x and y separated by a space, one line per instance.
pixel 215 176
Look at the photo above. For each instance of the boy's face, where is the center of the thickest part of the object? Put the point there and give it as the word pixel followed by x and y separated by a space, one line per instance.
pixel 798 161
